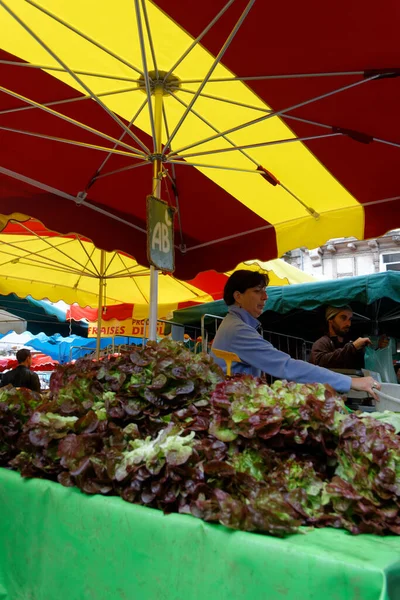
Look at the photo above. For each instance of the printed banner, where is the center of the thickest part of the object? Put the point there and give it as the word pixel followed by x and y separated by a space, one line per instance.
pixel 129 327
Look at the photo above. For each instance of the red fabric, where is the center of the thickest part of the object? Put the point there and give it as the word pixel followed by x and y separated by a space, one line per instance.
pixel 211 283
pixel 40 362
pixel 71 169
pixel 119 312
pixel 342 37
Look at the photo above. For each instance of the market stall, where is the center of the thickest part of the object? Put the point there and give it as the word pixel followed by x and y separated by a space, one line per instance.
pixel 161 427
pixel 299 311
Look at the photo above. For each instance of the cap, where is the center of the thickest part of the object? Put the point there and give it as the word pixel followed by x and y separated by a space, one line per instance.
pixel 332 311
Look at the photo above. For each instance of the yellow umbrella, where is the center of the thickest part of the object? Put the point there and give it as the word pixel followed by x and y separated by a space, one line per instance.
pixel 37 262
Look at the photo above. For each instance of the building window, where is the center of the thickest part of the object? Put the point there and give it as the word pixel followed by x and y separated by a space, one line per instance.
pixel 390 262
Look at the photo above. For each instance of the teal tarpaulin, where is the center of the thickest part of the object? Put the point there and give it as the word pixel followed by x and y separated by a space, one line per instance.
pixel 365 289
pixel 57 543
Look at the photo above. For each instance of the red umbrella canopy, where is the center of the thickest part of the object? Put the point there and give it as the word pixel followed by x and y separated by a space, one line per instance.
pixel 286 113
pixel 327 70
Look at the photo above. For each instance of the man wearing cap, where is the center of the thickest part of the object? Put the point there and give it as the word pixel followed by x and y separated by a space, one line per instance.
pixel 331 350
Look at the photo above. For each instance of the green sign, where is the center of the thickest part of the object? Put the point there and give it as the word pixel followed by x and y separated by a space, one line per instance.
pixel 160 234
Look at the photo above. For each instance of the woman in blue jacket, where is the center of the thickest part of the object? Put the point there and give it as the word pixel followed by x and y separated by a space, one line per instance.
pixel 245 294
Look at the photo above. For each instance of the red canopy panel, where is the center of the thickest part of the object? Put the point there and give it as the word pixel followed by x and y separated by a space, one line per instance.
pixel 289 38
pixel 40 362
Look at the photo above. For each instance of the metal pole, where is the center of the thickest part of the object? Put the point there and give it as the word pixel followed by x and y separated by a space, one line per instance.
pixel 100 303
pixel 158 104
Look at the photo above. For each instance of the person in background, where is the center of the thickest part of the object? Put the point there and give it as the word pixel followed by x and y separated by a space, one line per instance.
pixel 22 376
pixel 245 295
pixel 332 351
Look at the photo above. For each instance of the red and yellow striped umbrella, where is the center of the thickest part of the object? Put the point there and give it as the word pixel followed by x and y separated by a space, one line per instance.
pixel 279 123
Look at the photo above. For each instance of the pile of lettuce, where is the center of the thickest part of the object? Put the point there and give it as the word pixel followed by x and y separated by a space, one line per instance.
pixel 161 427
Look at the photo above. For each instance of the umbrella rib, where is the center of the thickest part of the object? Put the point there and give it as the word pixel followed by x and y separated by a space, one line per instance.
pixel 147 24
pixel 382 201
pixel 63 242
pixel 309 209
pixel 259 145
pixel 32 262
pixel 135 116
pixel 128 272
pixel 125 272
pixel 308 121
pixel 67 101
pixel 133 278
pixel 205 166
pixel 121 170
pixel 382 141
pixel 277 113
pixel 226 100
pixel 81 201
pixel 325 126
pixel 89 257
pixel 172 178
pixel 63 117
pixel 214 65
pixel 214 129
pixel 146 73
pixel 97 276
pixel 41 260
pixel 114 254
pixel 81 83
pixel 15 63
pixel 198 39
pixel 279 76
pixel 52 138
pixel 84 36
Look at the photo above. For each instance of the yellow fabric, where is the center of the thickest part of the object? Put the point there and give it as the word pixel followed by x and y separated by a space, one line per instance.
pixel 279 271
pixel 69 270
pixel 60 268
pixel 113 24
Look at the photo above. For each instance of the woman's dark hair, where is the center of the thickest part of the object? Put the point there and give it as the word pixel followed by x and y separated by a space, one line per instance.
pixel 242 280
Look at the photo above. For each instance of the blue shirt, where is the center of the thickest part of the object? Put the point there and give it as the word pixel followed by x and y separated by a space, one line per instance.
pixel 238 333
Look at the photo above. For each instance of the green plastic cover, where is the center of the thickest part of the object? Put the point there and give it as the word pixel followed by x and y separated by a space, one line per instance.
pixel 57 543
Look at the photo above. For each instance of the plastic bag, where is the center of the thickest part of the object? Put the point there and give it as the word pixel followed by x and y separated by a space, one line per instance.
pixel 381 361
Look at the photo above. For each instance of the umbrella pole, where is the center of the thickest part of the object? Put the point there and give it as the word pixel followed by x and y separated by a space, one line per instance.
pixel 157 166
pixel 100 304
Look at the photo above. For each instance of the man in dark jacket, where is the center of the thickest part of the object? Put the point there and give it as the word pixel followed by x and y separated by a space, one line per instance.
pixel 331 350
pixel 22 376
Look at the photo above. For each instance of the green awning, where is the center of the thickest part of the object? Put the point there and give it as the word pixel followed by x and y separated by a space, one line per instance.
pixel 365 289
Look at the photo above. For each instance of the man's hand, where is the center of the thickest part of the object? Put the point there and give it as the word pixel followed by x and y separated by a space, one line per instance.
pixel 366 384
pixel 361 343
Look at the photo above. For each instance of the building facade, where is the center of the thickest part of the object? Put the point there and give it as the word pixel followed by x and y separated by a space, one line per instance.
pixel 348 257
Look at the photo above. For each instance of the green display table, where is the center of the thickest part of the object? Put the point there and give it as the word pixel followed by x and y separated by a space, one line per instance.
pixel 57 543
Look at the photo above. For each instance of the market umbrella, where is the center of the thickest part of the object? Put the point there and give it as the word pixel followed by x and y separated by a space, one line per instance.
pixel 40 263
pixel 288 118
